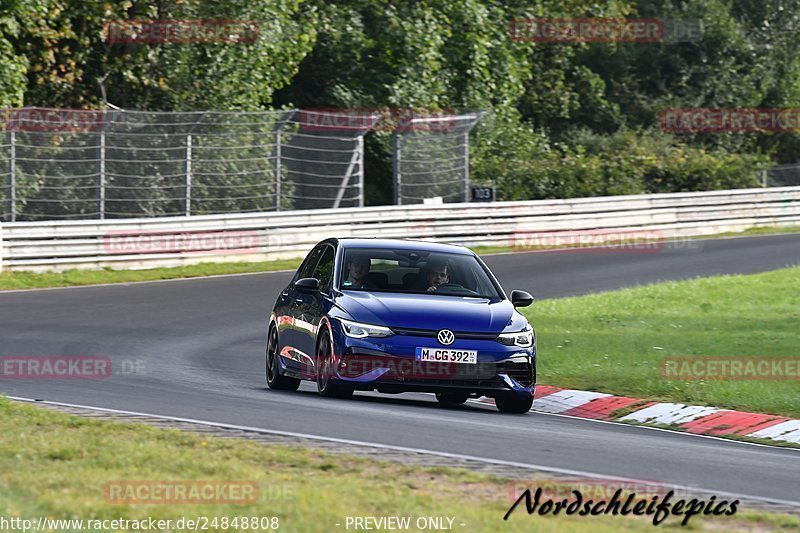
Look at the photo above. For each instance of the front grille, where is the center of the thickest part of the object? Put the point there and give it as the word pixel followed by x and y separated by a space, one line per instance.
pixel 522 373
pixel 433 332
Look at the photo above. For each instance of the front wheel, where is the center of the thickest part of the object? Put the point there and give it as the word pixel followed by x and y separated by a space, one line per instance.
pixel 326 386
pixel 514 404
pixel 274 378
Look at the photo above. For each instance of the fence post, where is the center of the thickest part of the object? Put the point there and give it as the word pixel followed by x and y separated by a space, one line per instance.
pixel 360 149
pixel 188 185
pixel 1 245
pixel 354 160
pixel 12 177
pixel 396 167
pixel 278 168
pixel 101 178
pixel 466 166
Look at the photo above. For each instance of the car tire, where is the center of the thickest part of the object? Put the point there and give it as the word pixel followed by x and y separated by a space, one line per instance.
pixel 514 404
pixel 325 385
pixel 451 398
pixel 274 378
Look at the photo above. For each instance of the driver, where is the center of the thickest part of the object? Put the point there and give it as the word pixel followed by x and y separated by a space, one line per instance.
pixel 437 274
pixel 358 268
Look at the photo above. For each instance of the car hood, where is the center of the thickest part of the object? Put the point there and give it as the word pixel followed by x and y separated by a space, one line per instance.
pixel 428 311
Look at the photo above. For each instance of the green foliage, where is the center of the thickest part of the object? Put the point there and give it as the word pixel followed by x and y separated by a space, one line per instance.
pixel 436 55
pixel 215 75
pixel 13 65
pixel 69 55
pixel 746 58
pixel 525 164
pixel 650 161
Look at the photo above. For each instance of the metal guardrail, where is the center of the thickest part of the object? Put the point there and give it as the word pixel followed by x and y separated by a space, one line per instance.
pixel 174 241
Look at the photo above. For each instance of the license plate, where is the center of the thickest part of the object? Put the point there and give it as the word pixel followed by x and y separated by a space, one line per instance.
pixel 447 355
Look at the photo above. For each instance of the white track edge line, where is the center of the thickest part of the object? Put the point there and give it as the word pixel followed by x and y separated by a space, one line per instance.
pixel 498 462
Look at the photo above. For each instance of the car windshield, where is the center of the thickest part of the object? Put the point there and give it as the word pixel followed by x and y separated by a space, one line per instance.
pixel 415 271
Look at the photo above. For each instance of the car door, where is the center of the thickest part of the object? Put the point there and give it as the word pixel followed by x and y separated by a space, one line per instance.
pixel 311 306
pixel 290 310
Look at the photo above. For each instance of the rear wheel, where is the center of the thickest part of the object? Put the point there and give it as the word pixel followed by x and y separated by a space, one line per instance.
pixel 274 378
pixel 451 398
pixel 326 386
pixel 514 404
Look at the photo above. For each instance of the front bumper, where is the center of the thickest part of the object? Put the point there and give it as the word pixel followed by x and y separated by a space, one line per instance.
pixel 389 365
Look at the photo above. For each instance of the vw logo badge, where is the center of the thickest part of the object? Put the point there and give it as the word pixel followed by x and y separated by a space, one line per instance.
pixel 446 337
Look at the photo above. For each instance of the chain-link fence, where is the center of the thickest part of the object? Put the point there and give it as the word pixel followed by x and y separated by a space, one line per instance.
pixel 70 164
pixel 67 164
pixel 431 158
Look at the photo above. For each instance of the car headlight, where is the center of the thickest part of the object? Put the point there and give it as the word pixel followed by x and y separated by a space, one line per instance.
pixel 357 330
pixel 523 339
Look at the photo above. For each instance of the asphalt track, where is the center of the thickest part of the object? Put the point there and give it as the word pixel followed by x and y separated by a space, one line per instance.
pixel 199 345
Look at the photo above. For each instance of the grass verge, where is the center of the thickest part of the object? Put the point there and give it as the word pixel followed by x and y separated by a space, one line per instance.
pixel 57 465
pixel 615 341
pixel 69 278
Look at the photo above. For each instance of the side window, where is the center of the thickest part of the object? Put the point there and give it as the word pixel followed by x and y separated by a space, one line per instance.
pixel 324 270
pixel 307 268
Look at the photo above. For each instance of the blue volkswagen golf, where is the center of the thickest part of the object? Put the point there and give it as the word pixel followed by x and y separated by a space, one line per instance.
pixel 402 316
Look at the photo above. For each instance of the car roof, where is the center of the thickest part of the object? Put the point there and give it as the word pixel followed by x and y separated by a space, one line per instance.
pixel 404 244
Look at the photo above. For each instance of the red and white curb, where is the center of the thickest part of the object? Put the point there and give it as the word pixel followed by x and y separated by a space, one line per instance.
pixel 689 418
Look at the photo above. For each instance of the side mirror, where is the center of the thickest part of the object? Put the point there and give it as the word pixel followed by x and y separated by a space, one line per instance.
pixel 521 298
pixel 307 284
